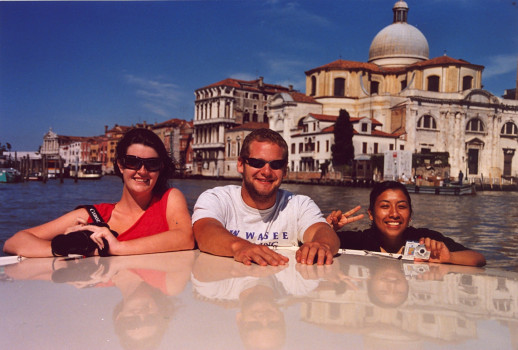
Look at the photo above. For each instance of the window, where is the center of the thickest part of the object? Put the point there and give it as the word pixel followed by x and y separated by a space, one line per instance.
pixel 375 147
pixel 364 147
pixel 375 87
pixel 475 125
pixel 246 116
pixel 318 146
pixel 427 122
pixel 401 147
pixel 467 82
pixel 391 147
pixel 509 129
pixel 327 145
pixel 339 88
pixel 301 147
pixel 365 127
pixel 313 86
pixel 433 83
pixel 403 84
pixel 293 148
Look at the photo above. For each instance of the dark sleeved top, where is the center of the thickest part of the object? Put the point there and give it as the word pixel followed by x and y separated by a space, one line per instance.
pixel 370 239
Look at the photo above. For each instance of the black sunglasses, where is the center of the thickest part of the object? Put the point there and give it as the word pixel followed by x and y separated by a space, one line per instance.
pixel 259 163
pixel 135 163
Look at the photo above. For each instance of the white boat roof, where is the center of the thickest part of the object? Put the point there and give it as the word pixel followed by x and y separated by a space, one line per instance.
pixel 192 300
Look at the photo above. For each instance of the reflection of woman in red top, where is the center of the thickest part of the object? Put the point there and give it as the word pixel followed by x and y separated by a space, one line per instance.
pixel 149 218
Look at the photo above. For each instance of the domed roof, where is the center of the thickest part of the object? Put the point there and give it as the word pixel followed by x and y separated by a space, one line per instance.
pixel 400 43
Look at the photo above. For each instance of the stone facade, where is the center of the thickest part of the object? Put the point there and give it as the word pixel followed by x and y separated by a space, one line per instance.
pixel 220 107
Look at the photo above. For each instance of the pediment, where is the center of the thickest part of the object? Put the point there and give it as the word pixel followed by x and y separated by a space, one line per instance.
pixel 475 142
pixel 481 96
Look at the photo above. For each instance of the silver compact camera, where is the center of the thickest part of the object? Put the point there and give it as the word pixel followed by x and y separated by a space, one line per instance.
pixel 421 252
pixel 414 250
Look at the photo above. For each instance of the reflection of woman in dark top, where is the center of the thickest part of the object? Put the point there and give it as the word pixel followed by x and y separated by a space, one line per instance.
pixel 390 210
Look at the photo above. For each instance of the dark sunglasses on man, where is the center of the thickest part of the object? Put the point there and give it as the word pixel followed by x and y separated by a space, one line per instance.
pixel 259 163
pixel 135 163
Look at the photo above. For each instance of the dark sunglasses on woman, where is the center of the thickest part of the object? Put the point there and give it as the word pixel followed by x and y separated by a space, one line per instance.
pixel 135 163
pixel 259 163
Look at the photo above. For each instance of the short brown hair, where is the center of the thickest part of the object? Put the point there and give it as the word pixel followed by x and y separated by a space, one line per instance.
pixel 264 135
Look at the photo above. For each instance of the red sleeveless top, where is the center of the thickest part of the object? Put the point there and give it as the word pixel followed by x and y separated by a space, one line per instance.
pixel 153 221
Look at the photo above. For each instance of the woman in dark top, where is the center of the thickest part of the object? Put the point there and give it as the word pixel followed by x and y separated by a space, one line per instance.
pixel 390 210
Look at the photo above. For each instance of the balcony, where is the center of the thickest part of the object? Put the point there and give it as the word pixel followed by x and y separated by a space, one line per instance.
pixel 214 121
pixel 214 145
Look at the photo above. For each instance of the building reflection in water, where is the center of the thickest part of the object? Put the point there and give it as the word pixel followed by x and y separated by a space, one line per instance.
pixel 399 304
pixel 195 300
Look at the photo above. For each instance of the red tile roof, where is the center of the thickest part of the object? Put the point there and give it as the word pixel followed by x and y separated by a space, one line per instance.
pixel 354 65
pixel 175 122
pixel 300 97
pixel 250 126
pixel 324 117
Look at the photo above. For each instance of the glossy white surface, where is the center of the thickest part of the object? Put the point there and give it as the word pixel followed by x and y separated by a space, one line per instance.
pixel 191 300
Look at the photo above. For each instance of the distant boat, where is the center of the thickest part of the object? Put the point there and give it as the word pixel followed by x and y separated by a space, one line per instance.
pixel 10 175
pixel 35 177
pixel 88 171
pixel 455 190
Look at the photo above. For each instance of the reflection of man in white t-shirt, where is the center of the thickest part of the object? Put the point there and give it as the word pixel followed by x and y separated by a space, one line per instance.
pixel 242 221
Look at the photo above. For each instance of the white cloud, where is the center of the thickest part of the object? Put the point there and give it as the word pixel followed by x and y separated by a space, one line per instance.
pixel 159 97
pixel 501 64
pixel 292 11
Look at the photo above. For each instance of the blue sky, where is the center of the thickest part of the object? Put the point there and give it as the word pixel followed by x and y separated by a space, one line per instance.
pixel 77 66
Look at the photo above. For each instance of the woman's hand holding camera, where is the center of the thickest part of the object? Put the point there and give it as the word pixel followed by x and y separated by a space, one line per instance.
pixel 100 232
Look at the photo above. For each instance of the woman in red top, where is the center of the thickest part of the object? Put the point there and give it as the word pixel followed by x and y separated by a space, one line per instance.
pixel 149 217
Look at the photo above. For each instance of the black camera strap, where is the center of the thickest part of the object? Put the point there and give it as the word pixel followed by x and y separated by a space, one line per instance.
pixel 94 214
pixel 96 217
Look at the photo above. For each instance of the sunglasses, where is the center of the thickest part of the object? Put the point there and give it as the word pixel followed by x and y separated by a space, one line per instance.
pixel 259 163
pixel 135 163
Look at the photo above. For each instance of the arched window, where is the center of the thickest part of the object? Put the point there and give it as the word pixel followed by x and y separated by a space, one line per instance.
pixel 427 122
pixel 375 86
pixel 467 82
pixel 313 86
pixel 403 84
pixel 433 83
pixel 246 116
pixel 339 88
pixel 475 125
pixel 228 146
pixel 254 116
pixel 509 129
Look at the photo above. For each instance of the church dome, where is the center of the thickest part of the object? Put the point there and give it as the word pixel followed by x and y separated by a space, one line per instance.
pixel 400 43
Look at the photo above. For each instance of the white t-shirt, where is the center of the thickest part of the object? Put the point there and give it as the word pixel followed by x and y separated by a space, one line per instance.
pixel 282 225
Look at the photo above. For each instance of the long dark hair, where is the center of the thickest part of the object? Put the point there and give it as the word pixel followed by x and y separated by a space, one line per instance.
pixel 381 187
pixel 147 138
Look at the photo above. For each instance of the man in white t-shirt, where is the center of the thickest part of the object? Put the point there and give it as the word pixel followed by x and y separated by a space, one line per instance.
pixel 244 221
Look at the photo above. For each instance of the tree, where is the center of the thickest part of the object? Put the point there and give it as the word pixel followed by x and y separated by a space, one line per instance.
pixel 343 148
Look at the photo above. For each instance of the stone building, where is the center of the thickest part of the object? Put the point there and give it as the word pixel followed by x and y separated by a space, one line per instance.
pixel 434 105
pixel 220 107
pixel 176 134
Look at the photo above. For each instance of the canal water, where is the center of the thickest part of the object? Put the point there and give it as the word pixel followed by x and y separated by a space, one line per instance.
pixel 487 222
